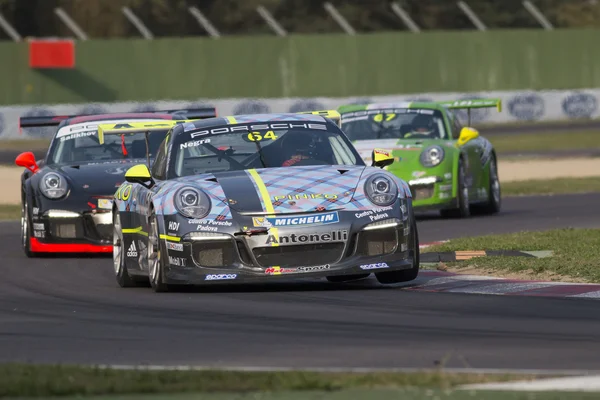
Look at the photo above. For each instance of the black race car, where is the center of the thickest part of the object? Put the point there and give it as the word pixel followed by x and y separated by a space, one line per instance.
pixel 66 199
pixel 261 197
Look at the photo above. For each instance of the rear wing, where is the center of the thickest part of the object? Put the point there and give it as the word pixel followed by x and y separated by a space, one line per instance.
pixel 331 114
pixel 470 104
pixel 137 127
pixel 192 113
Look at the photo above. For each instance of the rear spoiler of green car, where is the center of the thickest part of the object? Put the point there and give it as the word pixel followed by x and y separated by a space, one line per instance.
pixel 333 115
pixel 474 103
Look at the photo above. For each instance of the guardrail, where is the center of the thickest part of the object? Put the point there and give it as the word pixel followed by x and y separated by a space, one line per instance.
pixel 554 105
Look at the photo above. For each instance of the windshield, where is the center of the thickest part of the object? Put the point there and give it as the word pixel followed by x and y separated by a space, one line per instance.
pixel 74 144
pixel 261 148
pixel 399 123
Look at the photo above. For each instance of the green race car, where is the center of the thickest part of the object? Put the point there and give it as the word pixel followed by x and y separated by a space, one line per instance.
pixel 447 166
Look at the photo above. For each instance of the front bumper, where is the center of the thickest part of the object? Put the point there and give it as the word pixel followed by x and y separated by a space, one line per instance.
pixel 433 192
pixel 60 231
pixel 207 257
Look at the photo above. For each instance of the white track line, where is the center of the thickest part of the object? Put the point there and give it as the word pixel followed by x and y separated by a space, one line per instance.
pixel 578 383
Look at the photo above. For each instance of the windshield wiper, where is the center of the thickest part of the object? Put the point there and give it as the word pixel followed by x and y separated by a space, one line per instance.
pixel 260 154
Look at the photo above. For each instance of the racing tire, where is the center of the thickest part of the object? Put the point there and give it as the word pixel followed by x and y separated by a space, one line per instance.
pixel 463 210
pixel 155 254
pixel 404 275
pixel 123 278
pixel 346 278
pixel 494 203
pixel 26 231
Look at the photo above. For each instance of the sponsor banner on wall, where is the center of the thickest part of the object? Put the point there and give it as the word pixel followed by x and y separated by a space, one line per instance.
pixel 551 105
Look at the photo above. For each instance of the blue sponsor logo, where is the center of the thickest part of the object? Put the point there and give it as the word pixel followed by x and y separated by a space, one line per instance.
pixel 580 105
pixel 374 266
pixel 320 219
pixel 220 277
pixel 526 107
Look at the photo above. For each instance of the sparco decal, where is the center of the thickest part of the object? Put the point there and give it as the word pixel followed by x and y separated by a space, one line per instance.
pixel 218 277
pixel 335 236
pixel 251 128
pixel 321 219
pixel 374 266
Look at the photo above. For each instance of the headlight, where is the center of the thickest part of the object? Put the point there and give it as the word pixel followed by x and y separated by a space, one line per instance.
pixel 53 186
pixel 432 156
pixel 192 203
pixel 381 190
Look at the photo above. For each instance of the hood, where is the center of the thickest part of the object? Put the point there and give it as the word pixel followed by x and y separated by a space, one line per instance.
pixel 405 151
pixel 96 178
pixel 290 189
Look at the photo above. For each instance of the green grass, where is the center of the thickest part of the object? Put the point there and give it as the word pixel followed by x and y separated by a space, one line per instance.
pixel 575 253
pixel 358 394
pixel 37 380
pixel 10 211
pixel 541 142
pixel 551 186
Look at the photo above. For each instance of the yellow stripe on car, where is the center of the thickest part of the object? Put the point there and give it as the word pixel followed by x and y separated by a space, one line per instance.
pixel 137 230
pixel 171 238
pixel 232 120
pixel 264 193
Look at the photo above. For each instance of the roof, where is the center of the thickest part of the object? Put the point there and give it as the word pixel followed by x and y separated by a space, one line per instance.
pixel 119 116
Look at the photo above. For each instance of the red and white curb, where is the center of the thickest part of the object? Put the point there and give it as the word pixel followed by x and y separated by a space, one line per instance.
pixel 440 281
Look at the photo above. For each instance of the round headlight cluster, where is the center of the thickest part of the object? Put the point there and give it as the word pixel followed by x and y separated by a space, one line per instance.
pixel 192 202
pixel 381 190
pixel 432 156
pixel 53 185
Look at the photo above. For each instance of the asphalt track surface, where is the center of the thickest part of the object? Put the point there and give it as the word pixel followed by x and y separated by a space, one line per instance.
pixel 71 310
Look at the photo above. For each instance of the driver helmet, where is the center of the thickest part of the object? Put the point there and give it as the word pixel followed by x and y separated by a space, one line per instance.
pixel 298 143
pixel 423 124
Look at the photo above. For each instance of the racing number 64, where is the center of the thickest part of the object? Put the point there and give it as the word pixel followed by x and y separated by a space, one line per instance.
pixel 256 136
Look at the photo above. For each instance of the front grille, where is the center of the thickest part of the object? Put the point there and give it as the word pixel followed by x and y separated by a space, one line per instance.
pixel 421 192
pixel 66 228
pixel 377 242
pixel 214 253
pixel 300 255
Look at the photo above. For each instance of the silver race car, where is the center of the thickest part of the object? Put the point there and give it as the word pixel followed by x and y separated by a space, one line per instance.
pixel 250 198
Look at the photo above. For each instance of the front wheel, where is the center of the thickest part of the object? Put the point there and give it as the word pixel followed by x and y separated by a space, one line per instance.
pixel 26 231
pixel 404 275
pixel 155 260
pixel 463 209
pixel 495 199
pixel 123 278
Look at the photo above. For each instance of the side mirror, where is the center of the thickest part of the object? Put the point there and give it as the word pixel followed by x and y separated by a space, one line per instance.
pixel 27 160
pixel 467 134
pixel 381 158
pixel 139 174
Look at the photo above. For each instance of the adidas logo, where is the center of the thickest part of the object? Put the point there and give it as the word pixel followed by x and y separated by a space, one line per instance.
pixel 132 252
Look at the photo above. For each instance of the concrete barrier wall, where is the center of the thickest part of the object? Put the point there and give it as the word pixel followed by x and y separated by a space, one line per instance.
pixel 306 66
pixel 517 106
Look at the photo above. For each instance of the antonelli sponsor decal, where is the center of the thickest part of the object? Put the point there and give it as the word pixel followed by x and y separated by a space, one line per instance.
pixel 335 236
pixel 219 277
pixel 317 219
pixel 174 246
pixel 374 266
